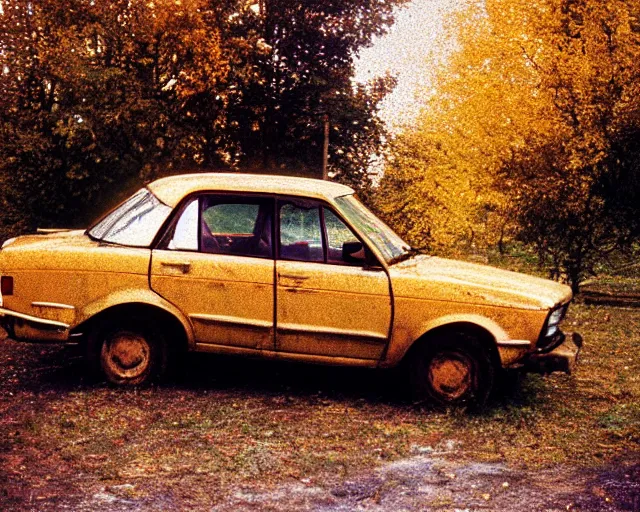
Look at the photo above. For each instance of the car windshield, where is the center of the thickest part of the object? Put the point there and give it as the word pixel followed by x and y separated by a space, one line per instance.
pixel 134 223
pixel 392 247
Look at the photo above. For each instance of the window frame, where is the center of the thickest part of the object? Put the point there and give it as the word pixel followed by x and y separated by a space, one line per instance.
pixel 371 260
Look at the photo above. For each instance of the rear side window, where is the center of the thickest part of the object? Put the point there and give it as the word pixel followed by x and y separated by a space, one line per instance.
pixel 232 225
pixel 232 218
pixel 185 234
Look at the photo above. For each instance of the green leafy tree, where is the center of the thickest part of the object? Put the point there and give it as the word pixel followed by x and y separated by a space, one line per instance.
pixel 300 71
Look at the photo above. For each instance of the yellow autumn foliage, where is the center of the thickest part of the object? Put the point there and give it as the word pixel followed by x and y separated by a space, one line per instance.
pixel 526 109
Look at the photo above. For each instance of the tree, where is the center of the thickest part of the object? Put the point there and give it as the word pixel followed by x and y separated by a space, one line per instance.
pixel 538 110
pixel 99 96
pixel 302 70
pixel 95 95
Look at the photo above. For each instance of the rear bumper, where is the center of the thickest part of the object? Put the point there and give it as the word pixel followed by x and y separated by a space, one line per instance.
pixel 30 328
pixel 563 358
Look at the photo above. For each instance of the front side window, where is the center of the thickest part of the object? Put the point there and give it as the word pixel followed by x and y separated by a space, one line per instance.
pixel 312 232
pixel 134 223
pixel 339 237
pixel 300 232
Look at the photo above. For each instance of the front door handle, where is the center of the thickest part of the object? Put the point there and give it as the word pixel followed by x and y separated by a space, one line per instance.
pixel 183 266
pixel 293 276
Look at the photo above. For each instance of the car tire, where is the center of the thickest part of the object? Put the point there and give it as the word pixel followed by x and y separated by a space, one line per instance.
pixel 452 368
pixel 127 354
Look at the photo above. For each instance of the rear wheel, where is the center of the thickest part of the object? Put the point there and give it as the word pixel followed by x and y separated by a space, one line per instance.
pixel 128 354
pixel 452 369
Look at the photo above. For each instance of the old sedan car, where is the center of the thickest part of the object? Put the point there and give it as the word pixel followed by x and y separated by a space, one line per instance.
pixel 275 267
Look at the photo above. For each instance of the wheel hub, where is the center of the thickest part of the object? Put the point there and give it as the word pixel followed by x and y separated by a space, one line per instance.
pixel 451 375
pixel 126 354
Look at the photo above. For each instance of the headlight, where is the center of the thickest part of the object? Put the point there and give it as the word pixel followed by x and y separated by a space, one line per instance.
pixel 554 320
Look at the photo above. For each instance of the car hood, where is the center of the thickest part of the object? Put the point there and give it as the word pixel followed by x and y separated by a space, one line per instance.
pixel 434 278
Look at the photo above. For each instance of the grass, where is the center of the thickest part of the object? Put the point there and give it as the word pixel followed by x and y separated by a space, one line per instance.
pixel 235 423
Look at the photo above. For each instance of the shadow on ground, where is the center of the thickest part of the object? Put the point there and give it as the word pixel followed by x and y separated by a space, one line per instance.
pixel 38 368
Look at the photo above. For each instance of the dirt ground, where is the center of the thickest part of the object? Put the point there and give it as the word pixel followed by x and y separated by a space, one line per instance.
pixel 233 434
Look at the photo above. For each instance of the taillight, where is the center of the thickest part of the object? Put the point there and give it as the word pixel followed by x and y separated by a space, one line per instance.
pixel 6 285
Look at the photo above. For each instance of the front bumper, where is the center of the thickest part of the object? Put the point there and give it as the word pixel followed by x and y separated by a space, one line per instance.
pixel 563 358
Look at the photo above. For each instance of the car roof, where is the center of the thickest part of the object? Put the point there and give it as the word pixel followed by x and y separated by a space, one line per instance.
pixel 172 189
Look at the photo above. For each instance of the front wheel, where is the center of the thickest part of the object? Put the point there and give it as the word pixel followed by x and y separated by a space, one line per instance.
pixel 128 355
pixel 452 369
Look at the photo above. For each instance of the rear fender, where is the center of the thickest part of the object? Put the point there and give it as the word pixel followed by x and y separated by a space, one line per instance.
pixel 135 296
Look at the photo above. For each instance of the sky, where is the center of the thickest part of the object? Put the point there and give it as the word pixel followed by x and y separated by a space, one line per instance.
pixel 407 51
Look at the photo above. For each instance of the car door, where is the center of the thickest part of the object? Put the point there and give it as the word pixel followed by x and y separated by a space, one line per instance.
pixel 216 264
pixel 327 302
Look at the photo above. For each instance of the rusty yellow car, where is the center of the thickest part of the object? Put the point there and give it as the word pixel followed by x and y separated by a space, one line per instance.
pixel 282 268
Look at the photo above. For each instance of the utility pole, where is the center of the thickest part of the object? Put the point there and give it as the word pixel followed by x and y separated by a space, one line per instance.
pixel 325 149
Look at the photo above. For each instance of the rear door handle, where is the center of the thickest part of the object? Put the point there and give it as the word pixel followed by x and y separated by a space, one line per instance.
pixel 183 266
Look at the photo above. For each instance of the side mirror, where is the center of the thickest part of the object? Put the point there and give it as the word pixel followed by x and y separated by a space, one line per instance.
pixel 353 252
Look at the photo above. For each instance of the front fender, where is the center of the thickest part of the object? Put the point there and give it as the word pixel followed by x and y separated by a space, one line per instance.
pixel 512 342
pixel 489 325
